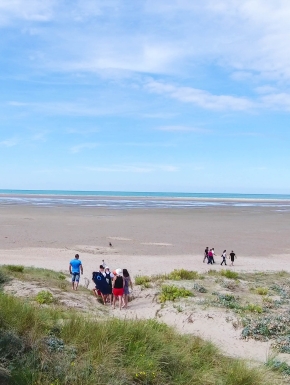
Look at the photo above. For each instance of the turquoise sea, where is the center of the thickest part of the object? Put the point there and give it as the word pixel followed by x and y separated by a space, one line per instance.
pixel 130 199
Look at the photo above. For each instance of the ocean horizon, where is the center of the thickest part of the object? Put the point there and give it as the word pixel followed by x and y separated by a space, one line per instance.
pixel 131 199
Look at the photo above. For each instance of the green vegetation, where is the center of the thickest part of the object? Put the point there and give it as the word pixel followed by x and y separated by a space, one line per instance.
pixel 44 297
pixel 229 274
pixel 44 346
pixel 262 290
pixel 171 293
pixel 43 277
pixel 15 268
pixel 142 279
pixel 3 278
pixel 182 274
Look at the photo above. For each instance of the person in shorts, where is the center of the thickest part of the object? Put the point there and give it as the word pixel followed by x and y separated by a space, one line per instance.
pixel 118 288
pixel 232 257
pixel 75 269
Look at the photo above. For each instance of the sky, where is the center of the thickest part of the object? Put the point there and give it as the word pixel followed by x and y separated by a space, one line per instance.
pixel 143 95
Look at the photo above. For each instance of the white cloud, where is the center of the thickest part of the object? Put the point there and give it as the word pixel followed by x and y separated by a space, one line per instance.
pixel 200 98
pixel 277 101
pixel 9 142
pixel 146 168
pixel 83 146
pixel 28 10
pixel 183 129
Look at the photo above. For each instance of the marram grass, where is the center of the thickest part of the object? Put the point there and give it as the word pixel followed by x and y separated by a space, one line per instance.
pixel 44 346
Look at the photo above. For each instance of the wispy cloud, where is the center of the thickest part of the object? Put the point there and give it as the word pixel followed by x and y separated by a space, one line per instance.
pixel 277 100
pixel 147 168
pixel 183 129
pixel 82 147
pixel 200 97
pixel 9 142
pixel 82 131
pixel 31 10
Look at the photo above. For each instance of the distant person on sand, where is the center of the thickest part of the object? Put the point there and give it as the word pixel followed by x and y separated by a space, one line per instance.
pixel 224 257
pixel 213 255
pixel 210 257
pixel 232 257
pixel 109 277
pixel 128 283
pixel 75 268
pixel 205 257
pixel 118 288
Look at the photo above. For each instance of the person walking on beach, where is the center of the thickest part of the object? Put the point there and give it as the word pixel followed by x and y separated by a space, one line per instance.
pixel 224 257
pixel 128 283
pixel 213 254
pixel 75 268
pixel 210 257
pixel 205 257
pixel 118 288
pixel 232 257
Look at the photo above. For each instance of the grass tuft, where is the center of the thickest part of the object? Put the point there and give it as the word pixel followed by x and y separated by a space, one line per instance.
pixel 44 297
pixel 171 293
pixel 142 279
pixel 262 290
pixel 182 274
pixel 229 274
pixel 15 268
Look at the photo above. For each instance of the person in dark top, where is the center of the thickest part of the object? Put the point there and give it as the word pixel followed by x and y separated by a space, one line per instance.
pixel 118 288
pixel 205 254
pixel 109 277
pixel 102 286
pixel 232 257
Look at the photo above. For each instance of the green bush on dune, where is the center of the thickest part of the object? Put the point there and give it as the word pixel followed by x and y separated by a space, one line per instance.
pixel 49 346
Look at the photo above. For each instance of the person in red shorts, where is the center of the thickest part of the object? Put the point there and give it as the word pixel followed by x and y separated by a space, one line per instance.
pixel 118 287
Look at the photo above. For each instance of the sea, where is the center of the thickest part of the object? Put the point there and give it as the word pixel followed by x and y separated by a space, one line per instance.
pixel 145 200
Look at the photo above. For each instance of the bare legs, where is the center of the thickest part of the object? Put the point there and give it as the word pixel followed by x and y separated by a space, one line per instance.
pixel 120 301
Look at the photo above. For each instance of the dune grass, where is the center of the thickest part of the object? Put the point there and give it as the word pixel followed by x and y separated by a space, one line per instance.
pixel 41 345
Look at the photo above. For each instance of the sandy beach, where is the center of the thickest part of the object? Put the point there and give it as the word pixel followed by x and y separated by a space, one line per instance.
pixel 150 242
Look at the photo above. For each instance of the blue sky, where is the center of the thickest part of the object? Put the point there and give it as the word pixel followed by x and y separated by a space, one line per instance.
pixel 143 95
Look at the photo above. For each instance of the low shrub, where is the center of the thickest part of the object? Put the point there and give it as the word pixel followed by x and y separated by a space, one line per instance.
pixel 278 366
pixel 199 288
pixel 171 293
pixel 142 279
pixel 3 278
pixel 182 274
pixel 266 327
pixel 15 268
pixel 253 308
pixel 229 274
pixel 262 290
pixel 44 297
pixel 227 300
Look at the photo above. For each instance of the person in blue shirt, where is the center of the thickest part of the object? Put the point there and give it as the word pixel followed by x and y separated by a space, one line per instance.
pixel 75 269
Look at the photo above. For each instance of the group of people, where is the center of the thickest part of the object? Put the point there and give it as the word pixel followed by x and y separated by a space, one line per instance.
pixel 209 255
pixel 109 286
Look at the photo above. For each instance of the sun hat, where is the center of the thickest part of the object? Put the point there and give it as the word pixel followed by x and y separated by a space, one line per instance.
pixel 119 271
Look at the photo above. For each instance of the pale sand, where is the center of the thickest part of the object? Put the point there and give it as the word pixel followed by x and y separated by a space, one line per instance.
pixel 151 242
